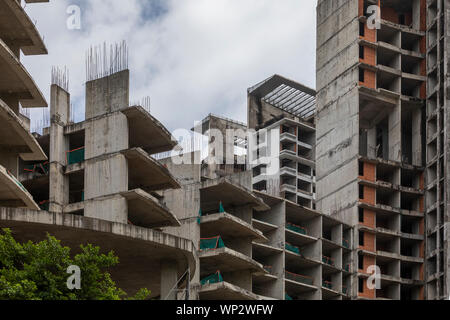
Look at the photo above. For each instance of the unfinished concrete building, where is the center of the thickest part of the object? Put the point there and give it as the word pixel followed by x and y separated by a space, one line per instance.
pixel 95 180
pixel 370 161
pixel 437 150
pixel 17 90
pixel 227 145
pixel 282 148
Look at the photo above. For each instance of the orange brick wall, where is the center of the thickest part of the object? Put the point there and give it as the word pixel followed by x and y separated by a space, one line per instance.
pixel 423 15
pixel 369 242
pixel 369 172
pixel 369 195
pixel 361 8
pixel 369 34
pixel 389 14
pixel 367 293
pixel 367 262
pixel 369 79
pixel 369 56
pixel 369 219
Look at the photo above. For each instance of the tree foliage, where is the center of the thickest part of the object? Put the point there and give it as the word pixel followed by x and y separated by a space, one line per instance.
pixel 38 271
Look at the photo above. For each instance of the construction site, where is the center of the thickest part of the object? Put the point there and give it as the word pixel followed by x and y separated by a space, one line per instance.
pixel 356 185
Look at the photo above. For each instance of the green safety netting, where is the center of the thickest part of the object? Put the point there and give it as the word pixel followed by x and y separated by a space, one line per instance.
pixel 42 168
pixel 211 243
pixel 346 244
pixel 221 208
pixel 214 278
pixel 292 248
pixel 296 228
pixel 346 267
pixel 199 219
pixel 299 278
pixel 75 156
pixel 44 205
pixel 344 289
pixel 287 297
pixel 327 284
pixel 328 260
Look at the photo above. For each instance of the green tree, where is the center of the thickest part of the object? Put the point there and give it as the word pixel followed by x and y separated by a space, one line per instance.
pixel 38 271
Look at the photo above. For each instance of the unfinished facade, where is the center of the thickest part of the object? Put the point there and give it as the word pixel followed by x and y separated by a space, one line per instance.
pixel 227 143
pixel 281 117
pixel 371 86
pixel 90 182
pixel 437 150
pixel 17 90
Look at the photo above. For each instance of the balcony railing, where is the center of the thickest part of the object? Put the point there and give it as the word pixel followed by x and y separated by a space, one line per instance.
pixel 327 284
pixel 297 229
pixel 211 243
pixel 292 248
pixel 42 168
pixel 75 156
pixel 346 243
pixel 328 260
pixel 299 278
pixel 214 278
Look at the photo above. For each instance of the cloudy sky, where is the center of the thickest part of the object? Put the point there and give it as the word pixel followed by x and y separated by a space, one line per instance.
pixel 192 57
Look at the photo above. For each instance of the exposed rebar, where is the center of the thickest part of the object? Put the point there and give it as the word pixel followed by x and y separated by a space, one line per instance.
pixel 100 64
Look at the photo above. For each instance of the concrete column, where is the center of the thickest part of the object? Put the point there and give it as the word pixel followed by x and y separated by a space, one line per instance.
pixel 169 278
pixel 417 137
pixel 59 144
pixel 107 94
pixel 395 135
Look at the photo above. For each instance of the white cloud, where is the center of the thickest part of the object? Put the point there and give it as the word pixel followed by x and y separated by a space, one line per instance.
pixel 197 57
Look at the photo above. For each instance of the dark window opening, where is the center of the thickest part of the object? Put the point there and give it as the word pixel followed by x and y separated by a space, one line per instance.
pixel 361 215
pixel 360 285
pixel 361 238
pixel 362 29
pixel 361 75
pixel 360 262
pixel 361 52
pixel 361 192
pixel 361 169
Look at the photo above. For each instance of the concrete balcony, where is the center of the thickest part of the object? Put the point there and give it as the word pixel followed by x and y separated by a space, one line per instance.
pixel 146 173
pixel 229 226
pixel 225 291
pixel 232 195
pixel 288 171
pixel 297 238
pixel 17 27
pixel 298 285
pixel 143 125
pixel 263 226
pixel 227 260
pixel 16 82
pixel 141 251
pixel 146 211
pixel 16 138
pixel 288 188
pixel 292 155
pixel 288 137
pixel 13 194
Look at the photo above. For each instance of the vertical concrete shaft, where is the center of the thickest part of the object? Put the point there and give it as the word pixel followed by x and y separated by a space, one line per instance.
pixel 59 144
pixel 169 278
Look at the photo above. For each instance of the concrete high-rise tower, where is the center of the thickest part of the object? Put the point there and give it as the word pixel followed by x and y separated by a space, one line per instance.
pixel 371 94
